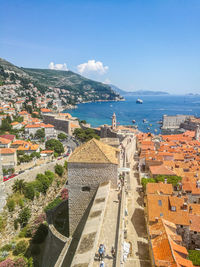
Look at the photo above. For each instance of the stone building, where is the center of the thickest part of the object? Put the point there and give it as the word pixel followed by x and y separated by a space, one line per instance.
pixel 90 164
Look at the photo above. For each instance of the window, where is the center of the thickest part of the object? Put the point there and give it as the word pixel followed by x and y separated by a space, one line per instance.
pixel 85 188
pixel 161 214
pixel 173 208
pixel 195 232
pixel 160 202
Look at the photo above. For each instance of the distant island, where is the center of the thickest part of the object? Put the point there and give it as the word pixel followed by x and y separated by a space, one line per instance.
pixel 137 93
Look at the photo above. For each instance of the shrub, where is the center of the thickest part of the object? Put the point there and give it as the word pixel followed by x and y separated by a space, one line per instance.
pixel 64 194
pixel 20 262
pixel 40 219
pixel 194 256
pixel 29 191
pixel 53 204
pixel 40 234
pixel 21 203
pixel 25 232
pixel 24 216
pixel 20 247
pixel 44 183
pixel 4 254
pixel 35 249
pixel 7 263
pixel 2 223
pixel 50 175
pixel 30 262
pixel 16 224
pixel 6 247
pixel 19 186
pixel 59 169
pixel 65 165
pixel 10 204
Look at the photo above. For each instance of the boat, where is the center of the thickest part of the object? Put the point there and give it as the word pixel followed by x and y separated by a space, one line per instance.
pixel 159 122
pixel 133 121
pixel 139 101
pixel 148 128
pixel 150 124
pixel 144 121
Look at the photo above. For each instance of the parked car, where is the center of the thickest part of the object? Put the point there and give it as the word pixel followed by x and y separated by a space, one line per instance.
pixel 6 178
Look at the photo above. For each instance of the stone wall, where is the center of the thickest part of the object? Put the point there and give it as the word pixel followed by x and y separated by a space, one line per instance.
pixel 83 181
pixel 174 122
pixel 84 255
pixel 59 124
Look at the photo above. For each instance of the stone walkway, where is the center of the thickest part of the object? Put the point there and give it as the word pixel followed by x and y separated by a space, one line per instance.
pixel 136 228
pixel 109 228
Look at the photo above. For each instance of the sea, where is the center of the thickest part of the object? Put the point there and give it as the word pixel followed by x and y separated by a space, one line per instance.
pixel 152 110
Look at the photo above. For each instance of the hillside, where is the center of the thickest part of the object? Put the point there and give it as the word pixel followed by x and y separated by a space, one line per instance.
pixel 137 93
pixel 69 87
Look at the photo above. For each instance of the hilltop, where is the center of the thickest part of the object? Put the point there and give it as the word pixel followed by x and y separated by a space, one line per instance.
pixel 71 87
pixel 137 93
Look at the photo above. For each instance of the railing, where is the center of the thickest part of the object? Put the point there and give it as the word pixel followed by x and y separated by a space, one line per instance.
pixel 121 229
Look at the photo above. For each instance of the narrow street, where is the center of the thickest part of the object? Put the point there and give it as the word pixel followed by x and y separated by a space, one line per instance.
pixel 136 228
pixel 108 230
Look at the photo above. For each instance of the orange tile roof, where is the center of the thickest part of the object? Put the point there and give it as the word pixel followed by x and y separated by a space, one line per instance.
pixel 47 151
pixel 46 110
pixel 153 188
pixel 4 141
pixel 160 170
pixel 7 151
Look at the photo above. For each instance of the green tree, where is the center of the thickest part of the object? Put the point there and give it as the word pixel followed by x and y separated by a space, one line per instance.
pixel 62 136
pixel 40 133
pixel 19 186
pixel 5 125
pixel 59 169
pixel 29 191
pixel 145 181
pixel 65 165
pixel 35 155
pixel 55 145
pixel 85 135
pixel 24 216
pixel 44 181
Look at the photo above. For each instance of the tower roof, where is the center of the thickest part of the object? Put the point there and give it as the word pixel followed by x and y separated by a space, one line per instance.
pixel 94 151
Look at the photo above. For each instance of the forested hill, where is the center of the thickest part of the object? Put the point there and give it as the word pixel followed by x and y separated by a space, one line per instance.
pixel 73 88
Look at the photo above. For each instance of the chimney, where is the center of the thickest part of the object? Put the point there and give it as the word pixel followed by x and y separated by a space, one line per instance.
pixel 190 209
pixel 185 206
pixel 197 133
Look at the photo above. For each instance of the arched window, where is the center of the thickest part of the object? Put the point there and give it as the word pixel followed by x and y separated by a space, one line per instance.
pixel 86 188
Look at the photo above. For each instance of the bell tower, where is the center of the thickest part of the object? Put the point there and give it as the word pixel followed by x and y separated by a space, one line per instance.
pixel 114 122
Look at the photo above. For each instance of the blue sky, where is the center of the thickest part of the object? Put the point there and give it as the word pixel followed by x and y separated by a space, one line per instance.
pixel 138 44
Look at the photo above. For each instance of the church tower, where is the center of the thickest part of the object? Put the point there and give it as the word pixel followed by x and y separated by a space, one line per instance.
pixel 114 122
pixel 197 133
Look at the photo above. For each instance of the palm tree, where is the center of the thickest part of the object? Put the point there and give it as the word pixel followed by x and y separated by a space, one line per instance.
pixel 19 186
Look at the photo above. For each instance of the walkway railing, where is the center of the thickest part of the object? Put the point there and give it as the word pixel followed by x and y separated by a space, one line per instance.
pixel 120 243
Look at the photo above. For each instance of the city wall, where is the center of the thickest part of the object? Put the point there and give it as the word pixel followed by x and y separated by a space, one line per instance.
pixel 83 181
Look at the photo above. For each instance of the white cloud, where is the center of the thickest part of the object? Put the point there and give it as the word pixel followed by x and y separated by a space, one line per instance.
pixel 53 66
pixel 92 66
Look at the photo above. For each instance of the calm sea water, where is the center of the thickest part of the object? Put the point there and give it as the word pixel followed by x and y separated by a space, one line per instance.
pixel 152 109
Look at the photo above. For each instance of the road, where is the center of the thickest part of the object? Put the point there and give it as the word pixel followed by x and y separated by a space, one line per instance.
pixel 136 228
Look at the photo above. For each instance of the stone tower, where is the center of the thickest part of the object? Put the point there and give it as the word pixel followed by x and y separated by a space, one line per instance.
pixel 197 132
pixel 89 165
pixel 114 122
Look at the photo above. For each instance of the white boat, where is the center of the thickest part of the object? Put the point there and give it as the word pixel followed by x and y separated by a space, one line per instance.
pixel 139 101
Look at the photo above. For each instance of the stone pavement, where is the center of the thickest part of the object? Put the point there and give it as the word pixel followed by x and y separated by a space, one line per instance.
pixel 109 229
pixel 136 227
